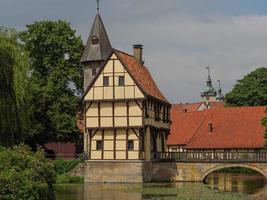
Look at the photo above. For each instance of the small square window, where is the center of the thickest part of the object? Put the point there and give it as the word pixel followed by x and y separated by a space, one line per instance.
pixel 99 145
pixel 106 81
pixel 121 80
pixel 94 72
pixel 130 145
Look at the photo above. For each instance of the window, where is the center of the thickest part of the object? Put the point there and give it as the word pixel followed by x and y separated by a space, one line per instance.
pixel 99 145
pixel 121 80
pixel 94 40
pixel 106 81
pixel 130 145
pixel 93 72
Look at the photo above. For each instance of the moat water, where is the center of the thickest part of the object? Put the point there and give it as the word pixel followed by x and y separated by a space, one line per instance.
pixel 218 186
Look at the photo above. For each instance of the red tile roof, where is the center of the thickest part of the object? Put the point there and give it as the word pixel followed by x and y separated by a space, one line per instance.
pixel 238 127
pixel 191 107
pixel 141 75
pixel 184 125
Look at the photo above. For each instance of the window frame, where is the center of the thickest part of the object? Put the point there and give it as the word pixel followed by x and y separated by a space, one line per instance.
pixel 121 82
pixel 132 145
pixel 99 145
pixel 106 78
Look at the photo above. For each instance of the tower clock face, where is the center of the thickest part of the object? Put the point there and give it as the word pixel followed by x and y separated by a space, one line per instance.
pixel 94 40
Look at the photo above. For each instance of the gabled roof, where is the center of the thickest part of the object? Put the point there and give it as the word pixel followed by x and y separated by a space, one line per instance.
pixel 101 49
pixel 141 75
pixel 138 72
pixel 238 127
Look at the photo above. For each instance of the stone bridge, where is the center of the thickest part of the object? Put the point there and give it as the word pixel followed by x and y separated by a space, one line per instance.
pixel 197 166
pixel 173 171
pixel 169 166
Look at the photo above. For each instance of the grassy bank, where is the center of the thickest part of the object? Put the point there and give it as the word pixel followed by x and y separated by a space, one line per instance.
pixel 63 167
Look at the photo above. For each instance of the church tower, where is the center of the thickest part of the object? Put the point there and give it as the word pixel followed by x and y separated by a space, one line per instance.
pixel 97 50
pixel 219 96
pixel 209 93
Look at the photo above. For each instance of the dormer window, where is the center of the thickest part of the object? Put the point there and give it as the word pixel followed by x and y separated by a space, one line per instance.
pixel 94 40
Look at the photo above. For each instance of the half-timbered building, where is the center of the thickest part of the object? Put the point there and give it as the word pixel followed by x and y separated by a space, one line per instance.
pixel 127 118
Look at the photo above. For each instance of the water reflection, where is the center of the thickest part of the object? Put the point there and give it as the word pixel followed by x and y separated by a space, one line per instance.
pixel 222 182
pixel 233 182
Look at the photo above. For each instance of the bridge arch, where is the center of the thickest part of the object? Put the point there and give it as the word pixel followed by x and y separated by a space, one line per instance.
pixel 223 166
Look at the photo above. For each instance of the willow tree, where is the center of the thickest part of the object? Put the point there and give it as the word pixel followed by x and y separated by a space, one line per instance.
pixel 13 88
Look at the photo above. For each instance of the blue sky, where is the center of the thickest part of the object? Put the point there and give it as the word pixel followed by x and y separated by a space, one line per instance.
pixel 180 37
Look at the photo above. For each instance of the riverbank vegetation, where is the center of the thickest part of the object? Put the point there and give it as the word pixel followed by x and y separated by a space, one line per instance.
pixel 25 174
pixel 63 168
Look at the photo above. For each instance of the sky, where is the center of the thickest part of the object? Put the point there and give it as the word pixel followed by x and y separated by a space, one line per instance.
pixel 180 37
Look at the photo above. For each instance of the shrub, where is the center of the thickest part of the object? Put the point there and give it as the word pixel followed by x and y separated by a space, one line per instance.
pixel 63 166
pixel 25 174
pixel 66 179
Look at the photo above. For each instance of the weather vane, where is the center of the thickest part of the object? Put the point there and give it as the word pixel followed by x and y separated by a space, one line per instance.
pixel 97 2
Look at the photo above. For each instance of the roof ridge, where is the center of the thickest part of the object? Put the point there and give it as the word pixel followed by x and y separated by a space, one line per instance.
pixel 123 52
pixel 130 56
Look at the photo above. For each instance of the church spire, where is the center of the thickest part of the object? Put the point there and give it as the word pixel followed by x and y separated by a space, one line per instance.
pixel 219 96
pixel 97 49
pixel 209 82
pixel 209 93
pixel 98 46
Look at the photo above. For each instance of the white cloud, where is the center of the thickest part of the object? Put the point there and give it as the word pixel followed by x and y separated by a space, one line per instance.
pixel 177 49
pixel 181 37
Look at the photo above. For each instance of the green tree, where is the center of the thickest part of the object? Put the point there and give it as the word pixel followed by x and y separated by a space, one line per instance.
pixel 250 91
pixel 14 88
pixel 56 80
pixel 25 174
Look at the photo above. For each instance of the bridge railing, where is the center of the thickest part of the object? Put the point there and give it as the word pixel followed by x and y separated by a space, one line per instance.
pixel 211 156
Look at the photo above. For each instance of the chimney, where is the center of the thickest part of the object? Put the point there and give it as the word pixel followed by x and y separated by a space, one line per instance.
pixel 138 53
pixel 184 110
pixel 210 127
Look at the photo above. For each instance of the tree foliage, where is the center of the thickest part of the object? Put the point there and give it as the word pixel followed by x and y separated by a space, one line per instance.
pixel 56 80
pixel 25 175
pixel 14 88
pixel 250 91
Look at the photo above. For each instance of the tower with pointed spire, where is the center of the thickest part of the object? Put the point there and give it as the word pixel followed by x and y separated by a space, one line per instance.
pixel 209 93
pixel 97 49
pixel 219 96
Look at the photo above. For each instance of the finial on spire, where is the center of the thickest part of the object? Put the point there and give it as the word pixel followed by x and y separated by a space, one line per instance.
pixel 97 2
pixel 219 81
pixel 208 68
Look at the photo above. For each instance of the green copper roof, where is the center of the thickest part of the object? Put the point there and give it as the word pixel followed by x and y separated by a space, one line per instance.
pixel 209 89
